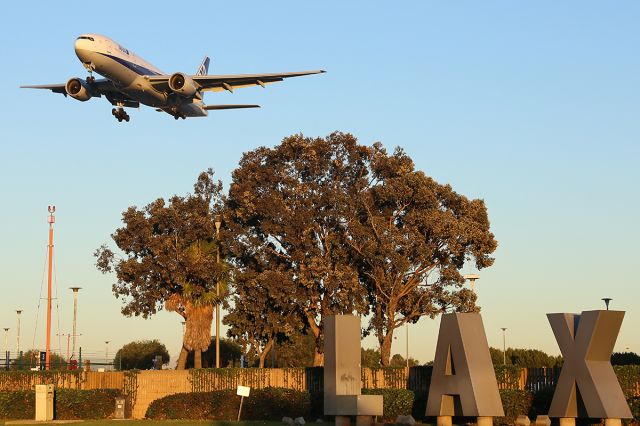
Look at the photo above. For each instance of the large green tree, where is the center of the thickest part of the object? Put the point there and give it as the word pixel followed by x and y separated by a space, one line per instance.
pixel 140 355
pixel 285 216
pixel 169 260
pixel 257 319
pixel 410 237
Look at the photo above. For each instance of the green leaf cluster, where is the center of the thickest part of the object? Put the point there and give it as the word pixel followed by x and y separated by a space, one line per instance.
pixel 69 404
pixel 140 355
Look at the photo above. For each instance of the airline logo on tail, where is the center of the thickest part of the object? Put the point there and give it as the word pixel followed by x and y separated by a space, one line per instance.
pixel 204 67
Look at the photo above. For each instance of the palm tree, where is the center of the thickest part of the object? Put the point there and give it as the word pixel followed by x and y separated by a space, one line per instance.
pixel 196 302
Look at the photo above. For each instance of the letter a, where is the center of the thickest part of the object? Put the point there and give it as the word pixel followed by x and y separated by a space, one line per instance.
pixel 588 386
pixel 463 382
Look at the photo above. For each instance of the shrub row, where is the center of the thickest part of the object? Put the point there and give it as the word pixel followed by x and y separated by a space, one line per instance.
pixel 263 404
pixel 274 403
pixel 69 404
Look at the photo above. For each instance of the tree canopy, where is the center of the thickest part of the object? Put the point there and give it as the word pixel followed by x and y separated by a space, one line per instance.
pixel 532 358
pixel 285 217
pixel 625 358
pixel 324 225
pixel 169 259
pixel 140 355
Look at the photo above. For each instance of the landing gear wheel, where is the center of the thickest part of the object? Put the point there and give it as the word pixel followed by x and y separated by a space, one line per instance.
pixel 176 116
pixel 91 79
pixel 120 114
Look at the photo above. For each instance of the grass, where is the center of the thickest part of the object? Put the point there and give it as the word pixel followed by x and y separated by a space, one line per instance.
pixel 168 423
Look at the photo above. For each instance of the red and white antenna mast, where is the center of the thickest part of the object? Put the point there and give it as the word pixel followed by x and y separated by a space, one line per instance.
pixel 52 220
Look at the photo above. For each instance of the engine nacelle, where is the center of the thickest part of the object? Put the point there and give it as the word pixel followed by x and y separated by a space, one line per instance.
pixel 182 84
pixel 78 89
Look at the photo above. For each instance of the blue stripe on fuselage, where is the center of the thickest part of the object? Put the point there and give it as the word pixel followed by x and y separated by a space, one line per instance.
pixel 138 69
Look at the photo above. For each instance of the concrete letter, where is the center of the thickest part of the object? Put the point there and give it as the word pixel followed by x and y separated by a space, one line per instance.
pixel 463 382
pixel 588 386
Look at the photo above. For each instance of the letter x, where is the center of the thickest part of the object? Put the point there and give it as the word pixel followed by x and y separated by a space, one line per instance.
pixel 587 386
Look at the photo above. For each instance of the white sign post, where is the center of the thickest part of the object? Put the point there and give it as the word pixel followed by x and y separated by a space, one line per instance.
pixel 242 391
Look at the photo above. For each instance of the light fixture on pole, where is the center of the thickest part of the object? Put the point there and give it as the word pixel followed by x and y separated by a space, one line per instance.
pixel 606 301
pixel 218 222
pixel 472 278
pixel 6 338
pixel 504 345
pixel 106 351
pixel 18 312
pixel 75 316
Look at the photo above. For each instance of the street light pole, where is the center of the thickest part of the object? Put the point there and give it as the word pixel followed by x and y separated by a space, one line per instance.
pixel 106 351
pixel 406 326
pixel 18 312
pixel 6 337
pixel 504 345
pixel 75 315
pixel 218 222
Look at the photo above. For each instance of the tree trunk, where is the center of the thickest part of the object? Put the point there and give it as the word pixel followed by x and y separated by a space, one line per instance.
pixel 197 358
pixel 182 359
pixel 385 349
pixel 263 355
pixel 318 358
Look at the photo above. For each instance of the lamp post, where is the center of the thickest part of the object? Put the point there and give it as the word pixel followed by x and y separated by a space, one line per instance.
pixel 218 222
pixel 75 315
pixel 606 301
pixel 18 312
pixel 106 351
pixel 472 278
pixel 6 338
pixel 406 327
pixel 504 345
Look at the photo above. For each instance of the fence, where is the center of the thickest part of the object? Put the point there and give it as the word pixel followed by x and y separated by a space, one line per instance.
pixel 143 387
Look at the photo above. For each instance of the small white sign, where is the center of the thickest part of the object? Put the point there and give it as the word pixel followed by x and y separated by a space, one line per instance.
pixel 243 390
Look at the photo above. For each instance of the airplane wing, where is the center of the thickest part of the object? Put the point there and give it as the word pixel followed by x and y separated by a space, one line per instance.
pixel 218 83
pixel 217 107
pixel 98 88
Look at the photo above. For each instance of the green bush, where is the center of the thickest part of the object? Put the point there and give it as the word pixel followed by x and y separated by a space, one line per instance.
pixel 17 405
pixel 70 404
pixel 263 404
pixel 514 402
pixel 74 404
pixel 396 401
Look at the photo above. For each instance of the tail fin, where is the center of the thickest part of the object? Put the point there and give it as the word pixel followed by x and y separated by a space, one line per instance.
pixel 204 67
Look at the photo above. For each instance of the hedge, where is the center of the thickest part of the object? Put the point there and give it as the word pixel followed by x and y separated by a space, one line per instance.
pixel 69 404
pixel 263 404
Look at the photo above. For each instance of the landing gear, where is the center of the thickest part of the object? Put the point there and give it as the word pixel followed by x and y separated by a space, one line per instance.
pixel 177 114
pixel 120 114
pixel 91 79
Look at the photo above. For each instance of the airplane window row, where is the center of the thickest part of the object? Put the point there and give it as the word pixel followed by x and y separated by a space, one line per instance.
pixel 85 38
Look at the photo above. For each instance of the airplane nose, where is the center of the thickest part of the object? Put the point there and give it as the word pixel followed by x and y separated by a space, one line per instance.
pixel 80 47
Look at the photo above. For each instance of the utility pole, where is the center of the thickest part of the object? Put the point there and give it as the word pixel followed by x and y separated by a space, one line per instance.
pixel 52 220
pixel 6 338
pixel 218 223
pixel 75 314
pixel 106 352
pixel 6 352
pixel 18 312
pixel 406 327
pixel 504 345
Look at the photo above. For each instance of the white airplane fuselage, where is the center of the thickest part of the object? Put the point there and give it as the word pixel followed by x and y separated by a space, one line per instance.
pixel 129 73
pixel 130 81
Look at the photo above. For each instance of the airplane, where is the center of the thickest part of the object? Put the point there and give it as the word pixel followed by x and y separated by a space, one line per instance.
pixel 130 81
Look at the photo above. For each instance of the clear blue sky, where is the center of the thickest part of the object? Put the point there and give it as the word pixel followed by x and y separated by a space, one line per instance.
pixel 532 106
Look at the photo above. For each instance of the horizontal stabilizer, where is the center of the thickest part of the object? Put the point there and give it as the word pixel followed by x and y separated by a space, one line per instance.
pixel 214 107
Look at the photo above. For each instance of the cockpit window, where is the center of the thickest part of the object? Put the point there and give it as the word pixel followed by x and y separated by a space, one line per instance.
pixel 85 38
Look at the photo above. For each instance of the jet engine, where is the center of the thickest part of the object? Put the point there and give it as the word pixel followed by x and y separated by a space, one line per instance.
pixel 78 89
pixel 182 84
